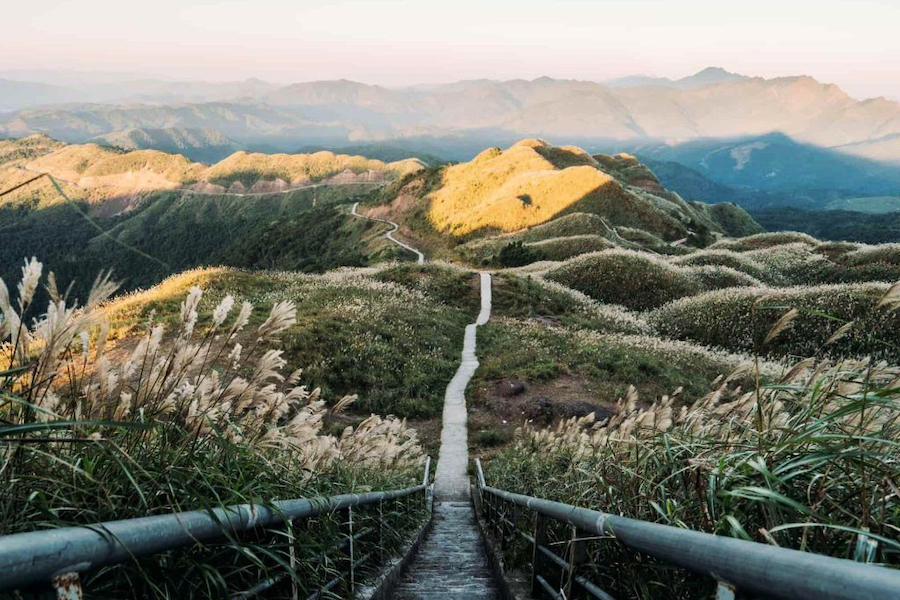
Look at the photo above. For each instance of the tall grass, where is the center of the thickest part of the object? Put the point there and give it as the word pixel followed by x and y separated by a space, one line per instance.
pixel 198 417
pixel 808 461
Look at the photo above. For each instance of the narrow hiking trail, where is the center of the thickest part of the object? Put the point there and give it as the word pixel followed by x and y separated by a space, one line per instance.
pixel 420 258
pixel 451 563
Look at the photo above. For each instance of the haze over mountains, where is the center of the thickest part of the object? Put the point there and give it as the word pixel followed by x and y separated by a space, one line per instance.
pixel 788 136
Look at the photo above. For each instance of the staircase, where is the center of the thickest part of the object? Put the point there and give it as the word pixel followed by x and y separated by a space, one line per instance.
pixel 451 564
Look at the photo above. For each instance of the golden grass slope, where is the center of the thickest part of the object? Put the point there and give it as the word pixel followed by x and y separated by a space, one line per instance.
pixel 510 190
pixel 92 165
pixel 532 182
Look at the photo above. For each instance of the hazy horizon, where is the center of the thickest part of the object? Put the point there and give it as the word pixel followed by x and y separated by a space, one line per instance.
pixel 396 43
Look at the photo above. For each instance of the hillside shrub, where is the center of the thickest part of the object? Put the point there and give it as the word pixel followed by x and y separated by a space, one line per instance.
pixel 517 254
pixel 636 280
pixel 739 319
pixel 765 240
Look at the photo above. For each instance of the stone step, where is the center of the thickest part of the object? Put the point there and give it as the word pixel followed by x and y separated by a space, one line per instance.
pixel 451 564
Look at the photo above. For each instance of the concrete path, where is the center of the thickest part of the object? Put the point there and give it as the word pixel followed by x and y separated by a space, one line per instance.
pixel 451 564
pixel 420 258
pixel 451 480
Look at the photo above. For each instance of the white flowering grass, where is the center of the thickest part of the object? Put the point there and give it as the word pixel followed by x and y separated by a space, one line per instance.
pixel 739 319
pixel 765 240
pixel 196 414
pixel 728 258
pixel 640 280
pixel 805 460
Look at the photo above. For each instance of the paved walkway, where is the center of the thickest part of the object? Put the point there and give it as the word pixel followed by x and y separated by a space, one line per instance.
pixel 451 564
pixel 451 480
pixel 420 258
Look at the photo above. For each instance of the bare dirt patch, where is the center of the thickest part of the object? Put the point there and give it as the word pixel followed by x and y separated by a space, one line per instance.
pixel 498 408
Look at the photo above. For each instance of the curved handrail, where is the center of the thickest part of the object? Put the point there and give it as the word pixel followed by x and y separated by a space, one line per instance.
pixel 751 567
pixel 34 557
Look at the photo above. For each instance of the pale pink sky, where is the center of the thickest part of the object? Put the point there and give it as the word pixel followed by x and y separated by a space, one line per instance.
pixel 398 42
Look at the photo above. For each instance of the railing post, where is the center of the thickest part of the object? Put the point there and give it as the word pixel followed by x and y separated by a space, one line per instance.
pixel 347 559
pixel 538 560
pixel 379 528
pixel 578 556
pixel 295 590
pixel 426 482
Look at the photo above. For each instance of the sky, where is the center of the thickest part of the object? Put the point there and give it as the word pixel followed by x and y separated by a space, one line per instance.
pixel 400 42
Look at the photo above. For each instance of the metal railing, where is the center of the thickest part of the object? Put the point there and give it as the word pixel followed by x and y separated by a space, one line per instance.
pixel 48 562
pixel 741 569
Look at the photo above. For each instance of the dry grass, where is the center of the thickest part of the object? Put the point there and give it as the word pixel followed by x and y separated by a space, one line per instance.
pixel 511 190
pixel 91 165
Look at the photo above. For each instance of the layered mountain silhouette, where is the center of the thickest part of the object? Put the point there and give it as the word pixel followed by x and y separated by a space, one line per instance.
pixel 787 135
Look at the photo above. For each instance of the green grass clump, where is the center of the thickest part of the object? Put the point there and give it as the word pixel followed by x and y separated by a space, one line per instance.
pixel 636 280
pixel 740 318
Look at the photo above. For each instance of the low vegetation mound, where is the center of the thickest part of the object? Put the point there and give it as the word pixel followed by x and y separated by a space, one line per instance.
pixel 571 224
pixel 765 240
pixel 716 277
pixel 727 258
pixel 888 254
pixel 636 280
pixel 741 319
pixel 563 248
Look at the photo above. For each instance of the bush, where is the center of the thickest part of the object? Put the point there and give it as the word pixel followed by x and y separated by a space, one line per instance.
pixel 740 318
pixel 727 258
pixel 632 279
pixel 517 254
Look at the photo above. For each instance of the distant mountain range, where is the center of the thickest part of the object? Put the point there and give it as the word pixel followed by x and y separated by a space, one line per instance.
pixel 790 135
